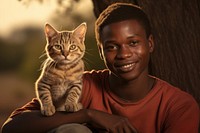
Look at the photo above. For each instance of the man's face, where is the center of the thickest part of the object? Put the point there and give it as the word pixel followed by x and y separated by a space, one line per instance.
pixel 126 49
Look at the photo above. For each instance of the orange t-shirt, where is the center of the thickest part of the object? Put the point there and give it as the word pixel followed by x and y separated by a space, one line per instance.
pixel 165 109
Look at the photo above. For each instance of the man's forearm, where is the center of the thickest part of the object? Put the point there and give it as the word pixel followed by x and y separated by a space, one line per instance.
pixel 34 122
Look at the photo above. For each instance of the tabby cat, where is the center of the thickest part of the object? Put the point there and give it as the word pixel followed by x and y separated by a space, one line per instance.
pixel 59 86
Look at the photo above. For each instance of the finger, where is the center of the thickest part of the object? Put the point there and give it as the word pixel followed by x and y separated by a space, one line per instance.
pixel 113 131
pixel 127 130
pixel 130 128
pixel 124 128
pixel 120 130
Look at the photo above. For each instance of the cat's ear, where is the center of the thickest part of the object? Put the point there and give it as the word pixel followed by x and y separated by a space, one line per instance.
pixel 80 31
pixel 50 31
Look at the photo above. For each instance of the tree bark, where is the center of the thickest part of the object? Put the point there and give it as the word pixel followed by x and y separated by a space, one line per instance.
pixel 176 30
pixel 100 5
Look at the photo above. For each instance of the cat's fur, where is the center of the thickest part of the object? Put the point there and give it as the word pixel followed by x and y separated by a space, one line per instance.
pixel 60 84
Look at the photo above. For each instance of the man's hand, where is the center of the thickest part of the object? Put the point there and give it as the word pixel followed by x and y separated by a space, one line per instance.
pixel 112 123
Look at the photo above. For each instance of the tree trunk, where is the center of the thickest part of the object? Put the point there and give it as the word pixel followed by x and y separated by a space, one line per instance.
pixel 176 30
pixel 100 5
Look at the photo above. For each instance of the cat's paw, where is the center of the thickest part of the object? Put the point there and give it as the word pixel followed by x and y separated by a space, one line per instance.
pixel 73 107
pixel 62 108
pixel 48 110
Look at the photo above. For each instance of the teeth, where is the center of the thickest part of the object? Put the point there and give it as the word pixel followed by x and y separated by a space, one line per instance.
pixel 127 66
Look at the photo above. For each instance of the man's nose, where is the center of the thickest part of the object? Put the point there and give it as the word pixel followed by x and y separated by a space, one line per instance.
pixel 124 52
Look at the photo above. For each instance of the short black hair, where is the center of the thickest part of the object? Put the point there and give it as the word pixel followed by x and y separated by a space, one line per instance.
pixel 119 12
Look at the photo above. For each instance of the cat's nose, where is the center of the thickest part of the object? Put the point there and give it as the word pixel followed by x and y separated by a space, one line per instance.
pixel 65 54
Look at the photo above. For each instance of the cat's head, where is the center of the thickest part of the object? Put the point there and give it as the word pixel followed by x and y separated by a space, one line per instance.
pixel 65 46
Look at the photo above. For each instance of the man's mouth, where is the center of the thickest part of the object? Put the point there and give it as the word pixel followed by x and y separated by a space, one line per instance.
pixel 126 68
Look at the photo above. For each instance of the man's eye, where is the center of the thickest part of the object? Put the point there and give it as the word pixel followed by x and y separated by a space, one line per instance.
pixel 133 43
pixel 110 47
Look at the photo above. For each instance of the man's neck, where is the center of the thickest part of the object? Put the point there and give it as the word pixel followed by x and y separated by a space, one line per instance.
pixel 133 90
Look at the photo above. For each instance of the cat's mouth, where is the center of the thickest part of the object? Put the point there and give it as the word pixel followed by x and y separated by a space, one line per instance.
pixel 67 61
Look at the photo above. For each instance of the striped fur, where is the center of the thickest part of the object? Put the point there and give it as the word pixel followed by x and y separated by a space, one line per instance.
pixel 59 86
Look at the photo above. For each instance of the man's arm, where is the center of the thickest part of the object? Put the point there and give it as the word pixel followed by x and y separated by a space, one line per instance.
pixel 34 122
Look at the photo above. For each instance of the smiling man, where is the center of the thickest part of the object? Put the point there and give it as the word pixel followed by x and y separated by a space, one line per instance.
pixel 123 98
pixel 126 52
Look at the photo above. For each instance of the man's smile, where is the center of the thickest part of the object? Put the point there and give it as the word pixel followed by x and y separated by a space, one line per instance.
pixel 126 67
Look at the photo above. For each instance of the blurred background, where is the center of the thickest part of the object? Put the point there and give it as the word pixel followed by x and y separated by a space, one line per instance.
pixel 22 43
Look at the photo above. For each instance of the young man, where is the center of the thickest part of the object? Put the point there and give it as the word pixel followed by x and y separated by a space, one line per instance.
pixel 124 98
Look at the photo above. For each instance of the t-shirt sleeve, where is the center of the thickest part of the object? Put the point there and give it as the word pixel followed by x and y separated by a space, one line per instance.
pixel 93 82
pixel 183 115
pixel 33 105
pixel 87 89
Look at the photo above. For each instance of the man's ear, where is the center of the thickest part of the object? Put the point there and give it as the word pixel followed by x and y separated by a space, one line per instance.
pixel 151 43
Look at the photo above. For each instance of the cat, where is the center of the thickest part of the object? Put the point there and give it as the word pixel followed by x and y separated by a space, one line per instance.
pixel 59 85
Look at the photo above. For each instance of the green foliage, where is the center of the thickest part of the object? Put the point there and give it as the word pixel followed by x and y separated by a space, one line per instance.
pixel 11 56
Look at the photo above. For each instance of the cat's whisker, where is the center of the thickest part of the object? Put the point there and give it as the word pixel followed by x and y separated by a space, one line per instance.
pixel 88 62
pixel 87 65
pixel 91 49
pixel 52 65
pixel 41 56
pixel 93 64
pixel 89 53
pixel 43 64
pixel 85 59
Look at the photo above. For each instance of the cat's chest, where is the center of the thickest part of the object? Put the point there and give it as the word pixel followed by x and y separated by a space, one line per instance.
pixel 64 79
pixel 70 74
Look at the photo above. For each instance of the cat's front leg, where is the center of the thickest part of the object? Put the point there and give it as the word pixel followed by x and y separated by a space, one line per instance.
pixel 72 103
pixel 73 106
pixel 48 109
pixel 44 96
pixel 46 103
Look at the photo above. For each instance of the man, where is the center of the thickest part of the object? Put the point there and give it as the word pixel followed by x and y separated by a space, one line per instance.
pixel 124 98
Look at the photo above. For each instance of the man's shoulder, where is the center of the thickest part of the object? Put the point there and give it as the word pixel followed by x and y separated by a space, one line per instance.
pixel 96 73
pixel 175 95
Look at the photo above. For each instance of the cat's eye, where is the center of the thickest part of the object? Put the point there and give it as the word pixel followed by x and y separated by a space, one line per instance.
pixel 72 47
pixel 57 47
